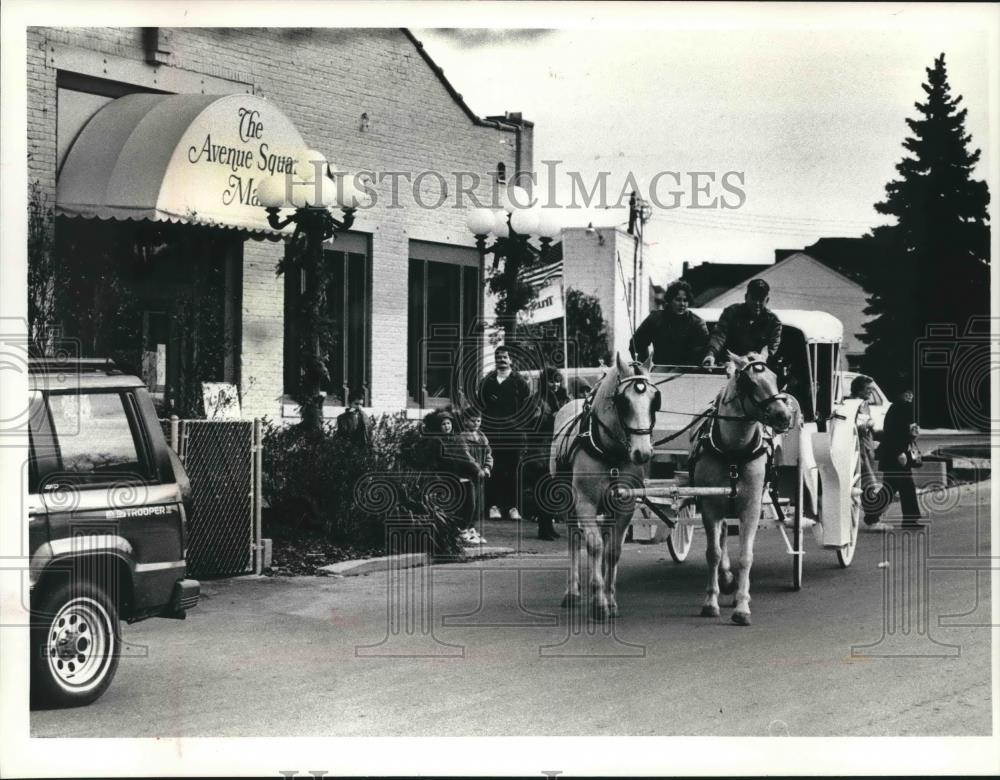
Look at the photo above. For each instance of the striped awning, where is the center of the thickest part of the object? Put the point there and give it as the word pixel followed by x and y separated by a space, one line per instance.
pixel 195 159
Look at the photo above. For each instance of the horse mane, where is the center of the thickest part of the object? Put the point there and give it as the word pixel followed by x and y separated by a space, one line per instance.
pixel 610 379
pixel 608 383
pixel 728 391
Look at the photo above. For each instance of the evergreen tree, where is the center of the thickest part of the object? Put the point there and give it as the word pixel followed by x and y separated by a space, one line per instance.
pixel 935 259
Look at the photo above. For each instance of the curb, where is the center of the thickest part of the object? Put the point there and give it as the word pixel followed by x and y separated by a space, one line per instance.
pixel 368 565
pixel 362 566
pixel 941 490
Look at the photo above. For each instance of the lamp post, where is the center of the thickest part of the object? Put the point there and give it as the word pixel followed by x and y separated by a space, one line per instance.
pixel 511 226
pixel 305 199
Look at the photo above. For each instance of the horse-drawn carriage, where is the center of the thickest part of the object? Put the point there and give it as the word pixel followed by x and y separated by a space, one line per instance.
pixel 806 475
pixel 816 464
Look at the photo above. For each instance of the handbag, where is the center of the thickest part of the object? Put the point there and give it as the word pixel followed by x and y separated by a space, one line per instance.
pixel 914 458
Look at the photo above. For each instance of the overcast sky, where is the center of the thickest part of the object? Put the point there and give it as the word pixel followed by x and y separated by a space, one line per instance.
pixel 809 106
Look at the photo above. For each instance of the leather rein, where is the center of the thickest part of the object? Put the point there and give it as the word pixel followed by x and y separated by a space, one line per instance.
pixel 744 388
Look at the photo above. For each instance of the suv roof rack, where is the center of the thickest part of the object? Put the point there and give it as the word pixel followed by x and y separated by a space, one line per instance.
pixel 48 365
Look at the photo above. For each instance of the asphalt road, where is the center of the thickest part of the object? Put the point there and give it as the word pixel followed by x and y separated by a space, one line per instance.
pixel 284 657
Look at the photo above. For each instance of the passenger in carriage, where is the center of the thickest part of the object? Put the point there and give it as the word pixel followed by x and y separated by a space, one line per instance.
pixel 746 327
pixel 678 335
pixel 790 376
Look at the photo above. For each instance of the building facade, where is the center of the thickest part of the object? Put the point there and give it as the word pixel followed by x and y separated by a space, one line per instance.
pixel 608 264
pixel 190 292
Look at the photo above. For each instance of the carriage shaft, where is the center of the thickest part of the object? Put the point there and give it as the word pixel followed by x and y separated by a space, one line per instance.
pixel 684 491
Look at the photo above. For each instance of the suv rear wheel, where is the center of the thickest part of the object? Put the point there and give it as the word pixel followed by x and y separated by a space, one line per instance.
pixel 75 645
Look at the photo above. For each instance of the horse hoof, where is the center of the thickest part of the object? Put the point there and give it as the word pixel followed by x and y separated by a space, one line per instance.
pixel 570 600
pixel 709 611
pixel 613 611
pixel 741 618
pixel 601 613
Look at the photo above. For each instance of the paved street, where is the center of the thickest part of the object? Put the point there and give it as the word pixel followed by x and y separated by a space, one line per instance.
pixel 283 657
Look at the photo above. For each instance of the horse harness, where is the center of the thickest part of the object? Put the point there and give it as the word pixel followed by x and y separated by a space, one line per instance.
pixel 762 443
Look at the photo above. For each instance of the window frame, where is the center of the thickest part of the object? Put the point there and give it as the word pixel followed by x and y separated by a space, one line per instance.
pixel 148 474
pixel 421 254
pixel 346 245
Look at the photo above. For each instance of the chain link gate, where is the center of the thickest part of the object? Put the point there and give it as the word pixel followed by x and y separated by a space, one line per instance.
pixel 222 460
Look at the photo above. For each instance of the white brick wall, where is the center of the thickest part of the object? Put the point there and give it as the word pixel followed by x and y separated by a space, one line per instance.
pixel 323 80
pixel 592 267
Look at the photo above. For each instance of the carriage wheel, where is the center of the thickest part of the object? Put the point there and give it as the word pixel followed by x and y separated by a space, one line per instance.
pixel 846 553
pixel 797 536
pixel 682 535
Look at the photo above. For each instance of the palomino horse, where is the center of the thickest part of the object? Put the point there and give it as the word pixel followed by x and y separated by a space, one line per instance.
pixel 731 451
pixel 599 442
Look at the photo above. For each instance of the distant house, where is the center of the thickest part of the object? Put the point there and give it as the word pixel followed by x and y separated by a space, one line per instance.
pixel 850 257
pixel 801 281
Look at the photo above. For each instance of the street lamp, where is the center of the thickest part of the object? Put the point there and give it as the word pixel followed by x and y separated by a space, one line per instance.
pixel 511 226
pixel 307 197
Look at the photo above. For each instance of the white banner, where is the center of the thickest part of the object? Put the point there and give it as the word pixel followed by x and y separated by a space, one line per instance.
pixel 548 306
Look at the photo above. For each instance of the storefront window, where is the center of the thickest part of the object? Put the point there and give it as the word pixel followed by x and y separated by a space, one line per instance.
pixel 348 299
pixel 160 300
pixel 444 350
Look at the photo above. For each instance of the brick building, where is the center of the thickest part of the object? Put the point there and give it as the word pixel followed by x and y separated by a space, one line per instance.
pixel 193 292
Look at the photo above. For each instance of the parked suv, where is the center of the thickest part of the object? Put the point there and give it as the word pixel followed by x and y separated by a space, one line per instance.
pixel 107 508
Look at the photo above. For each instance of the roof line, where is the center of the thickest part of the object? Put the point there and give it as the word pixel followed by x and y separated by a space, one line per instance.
pixel 773 266
pixel 455 94
pixel 828 267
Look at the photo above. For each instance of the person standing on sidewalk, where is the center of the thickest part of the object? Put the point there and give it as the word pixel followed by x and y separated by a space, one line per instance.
pixel 861 388
pixel 553 397
pixel 896 458
pixel 506 406
pixel 479 448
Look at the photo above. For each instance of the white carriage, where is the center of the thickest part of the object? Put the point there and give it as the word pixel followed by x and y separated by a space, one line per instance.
pixel 817 463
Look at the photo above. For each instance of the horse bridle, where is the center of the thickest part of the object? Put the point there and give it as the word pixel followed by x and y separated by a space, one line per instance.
pixel 641 382
pixel 618 401
pixel 745 389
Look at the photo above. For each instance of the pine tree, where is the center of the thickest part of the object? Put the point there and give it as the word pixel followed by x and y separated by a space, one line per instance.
pixel 935 266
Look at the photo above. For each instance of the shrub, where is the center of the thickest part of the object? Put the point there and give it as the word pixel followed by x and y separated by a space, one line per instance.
pixel 326 484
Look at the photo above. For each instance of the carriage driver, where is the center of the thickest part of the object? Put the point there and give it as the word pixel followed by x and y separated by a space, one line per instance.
pixel 678 335
pixel 746 327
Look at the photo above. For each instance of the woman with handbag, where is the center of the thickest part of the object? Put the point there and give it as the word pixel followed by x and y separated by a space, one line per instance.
pixel 898 455
pixel 861 388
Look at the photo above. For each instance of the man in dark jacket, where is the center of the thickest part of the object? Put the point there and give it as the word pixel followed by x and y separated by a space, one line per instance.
pixel 352 425
pixel 899 431
pixel 508 411
pixel 678 336
pixel 746 327
pixel 552 397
